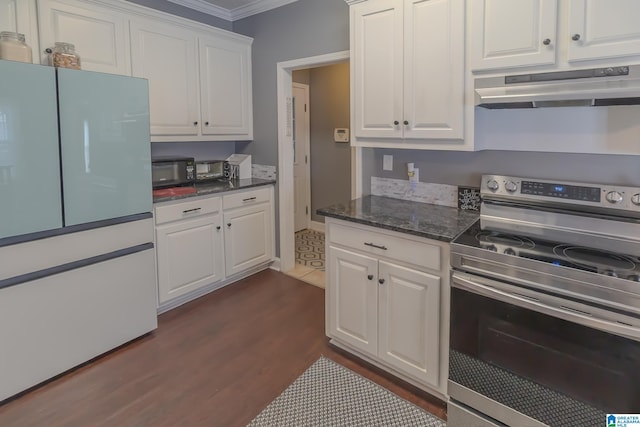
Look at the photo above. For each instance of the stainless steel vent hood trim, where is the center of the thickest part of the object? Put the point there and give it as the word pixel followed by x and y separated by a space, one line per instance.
pixel 593 87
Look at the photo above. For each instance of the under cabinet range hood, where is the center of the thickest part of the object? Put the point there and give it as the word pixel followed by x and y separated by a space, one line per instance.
pixel 575 88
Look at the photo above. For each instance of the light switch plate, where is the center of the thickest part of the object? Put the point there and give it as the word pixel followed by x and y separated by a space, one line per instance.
pixel 387 162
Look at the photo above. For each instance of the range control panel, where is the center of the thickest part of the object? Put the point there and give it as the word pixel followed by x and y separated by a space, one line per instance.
pixel 540 190
pixel 562 191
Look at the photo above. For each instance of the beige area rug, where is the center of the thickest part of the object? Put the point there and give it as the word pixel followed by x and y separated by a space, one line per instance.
pixel 328 394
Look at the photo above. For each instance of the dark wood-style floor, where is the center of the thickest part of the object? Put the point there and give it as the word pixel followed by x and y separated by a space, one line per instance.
pixel 217 361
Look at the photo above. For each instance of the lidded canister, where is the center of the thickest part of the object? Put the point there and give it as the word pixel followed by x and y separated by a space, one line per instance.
pixel 14 48
pixel 64 55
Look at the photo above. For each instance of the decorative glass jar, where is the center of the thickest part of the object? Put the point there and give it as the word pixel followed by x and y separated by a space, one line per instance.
pixel 64 55
pixel 14 48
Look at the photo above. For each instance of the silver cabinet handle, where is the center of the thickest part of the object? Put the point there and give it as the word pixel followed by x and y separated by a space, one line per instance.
pixel 575 37
pixel 250 199
pixel 546 42
pixel 384 248
pixel 191 210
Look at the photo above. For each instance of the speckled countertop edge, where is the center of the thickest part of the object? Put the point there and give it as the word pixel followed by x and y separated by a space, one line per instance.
pixel 218 187
pixel 419 219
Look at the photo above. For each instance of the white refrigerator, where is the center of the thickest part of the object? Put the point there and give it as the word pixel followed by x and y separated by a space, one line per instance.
pixel 77 263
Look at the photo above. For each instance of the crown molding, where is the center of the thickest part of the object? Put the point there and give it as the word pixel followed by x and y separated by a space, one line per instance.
pixel 253 8
pixel 258 6
pixel 205 7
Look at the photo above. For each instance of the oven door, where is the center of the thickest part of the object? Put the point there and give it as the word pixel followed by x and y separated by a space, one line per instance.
pixel 522 357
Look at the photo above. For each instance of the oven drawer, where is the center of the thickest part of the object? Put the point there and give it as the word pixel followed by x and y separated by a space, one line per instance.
pixel 458 416
pixel 415 252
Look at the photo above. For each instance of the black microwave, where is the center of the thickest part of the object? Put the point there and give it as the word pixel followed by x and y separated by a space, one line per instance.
pixel 173 172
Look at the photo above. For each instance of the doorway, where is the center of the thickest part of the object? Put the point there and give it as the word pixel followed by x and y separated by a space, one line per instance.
pixel 286 152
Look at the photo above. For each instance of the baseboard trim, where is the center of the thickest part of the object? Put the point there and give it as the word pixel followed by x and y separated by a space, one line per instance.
pixel 276 264
pixel 317 226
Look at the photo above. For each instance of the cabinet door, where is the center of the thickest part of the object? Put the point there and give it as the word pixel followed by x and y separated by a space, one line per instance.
pixel 100 35
pixel 409 321
pixel 376 57
pixel 166 56
pixel 225 79
pixel 190 256
pixel 507 33
pixel 433 69
pixel 247 238
pixel 20 16
pixel 603 29
pixel 353 299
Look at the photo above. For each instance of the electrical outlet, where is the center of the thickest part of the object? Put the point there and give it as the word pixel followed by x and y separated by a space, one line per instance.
pixel 387 162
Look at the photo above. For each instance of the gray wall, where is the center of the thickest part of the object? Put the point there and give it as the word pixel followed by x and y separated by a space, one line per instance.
pixel 330 161
pixel 174 9
pixel 298 30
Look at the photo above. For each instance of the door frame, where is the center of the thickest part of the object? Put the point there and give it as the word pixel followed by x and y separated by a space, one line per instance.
pixel 285 149
pixel 307 166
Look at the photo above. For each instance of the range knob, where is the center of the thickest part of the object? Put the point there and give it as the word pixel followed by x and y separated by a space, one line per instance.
pixel 635 199
pixel 509 251
pixel 614 197
pixel 511 186
pixel 493 185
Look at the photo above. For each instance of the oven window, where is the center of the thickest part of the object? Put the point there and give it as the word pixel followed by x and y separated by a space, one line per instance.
pixel 514 355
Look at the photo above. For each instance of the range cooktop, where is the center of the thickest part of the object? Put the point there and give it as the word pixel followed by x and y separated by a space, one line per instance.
pixel 623 266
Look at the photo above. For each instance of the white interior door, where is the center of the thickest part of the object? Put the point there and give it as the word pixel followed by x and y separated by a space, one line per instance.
pixel 301 169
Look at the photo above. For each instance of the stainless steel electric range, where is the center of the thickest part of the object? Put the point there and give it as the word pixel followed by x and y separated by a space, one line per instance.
pixel 545 306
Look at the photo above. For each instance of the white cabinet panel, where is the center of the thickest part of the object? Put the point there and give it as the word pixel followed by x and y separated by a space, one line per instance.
pixel 225 75
pixel 100 34
pixel 433 69
pixel 376 32
pixel 166 56
pixel 507 33
pixel 354 299
pixel 247 237
pixel 409 321
pixel 190 255
pixel 603 29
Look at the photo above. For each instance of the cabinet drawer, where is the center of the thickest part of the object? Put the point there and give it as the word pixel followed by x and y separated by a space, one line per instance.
pixel 410 251
pixel 246 198
pixel 188 209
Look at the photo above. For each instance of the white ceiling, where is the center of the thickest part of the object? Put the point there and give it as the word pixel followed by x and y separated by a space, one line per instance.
pixel 232 9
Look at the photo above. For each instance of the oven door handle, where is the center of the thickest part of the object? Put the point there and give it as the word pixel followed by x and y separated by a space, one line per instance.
pixel 560 309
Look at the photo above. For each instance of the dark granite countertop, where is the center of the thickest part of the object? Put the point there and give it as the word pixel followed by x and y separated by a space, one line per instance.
pixel 421 219
pixel 219 187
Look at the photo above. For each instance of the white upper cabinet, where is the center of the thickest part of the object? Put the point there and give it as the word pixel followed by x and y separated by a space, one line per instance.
pixel 199 84
pixel 20 16
pixel 225 79
pixel 99 34
pixel 549 33
pixel 603 29
pixel 165 54
pixel 433 69
pixel 407 71
pixel 507 33
pixel 377 52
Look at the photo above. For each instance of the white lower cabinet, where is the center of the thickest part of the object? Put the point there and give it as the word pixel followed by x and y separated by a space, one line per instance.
pixel 383 307
pixel 204 243
pixel 190 255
